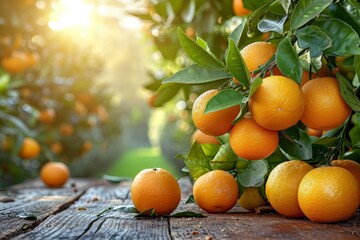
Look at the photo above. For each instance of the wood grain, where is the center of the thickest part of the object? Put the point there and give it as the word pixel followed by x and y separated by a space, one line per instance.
pixel 67 214
pixel 35 198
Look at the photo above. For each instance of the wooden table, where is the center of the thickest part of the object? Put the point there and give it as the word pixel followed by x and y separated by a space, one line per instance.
pixel 71 213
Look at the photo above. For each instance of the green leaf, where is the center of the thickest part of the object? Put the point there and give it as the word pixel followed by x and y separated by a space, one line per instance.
pixel 125 209
pixel 190 199
pixel 236 64
pixel 188 13
pixel 285 4
pixel 276 157
pixel 235 35
pixel 224 99
pixel 320 152
pixel 277 8
pixel 354 134
pixel 347 92
pixel 338 10
pixel 197 53
pixel 16 122
pixel 296 143
pixel 197 162
pixel 150 213
pixel 255 17
pixel 357 65
pixel 255 85
pixel 344 39
pixel 253 5
pixel 165 93
pixel 327 141
pixel 272 22
pixel 27 216
pixel 312 37
pixel 305 10
pixel 225 158
pixel 115 179
pixel 196 74
pixel 288 61
pixel 254 174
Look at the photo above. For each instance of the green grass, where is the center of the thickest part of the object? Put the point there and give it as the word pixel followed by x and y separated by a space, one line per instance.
pixel 138 159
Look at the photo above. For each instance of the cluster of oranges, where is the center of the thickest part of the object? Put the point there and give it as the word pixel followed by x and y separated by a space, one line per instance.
pixel 279 103
pixel 293 188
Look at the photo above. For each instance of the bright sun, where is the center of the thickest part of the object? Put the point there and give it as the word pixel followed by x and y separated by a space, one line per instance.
pixel 70 14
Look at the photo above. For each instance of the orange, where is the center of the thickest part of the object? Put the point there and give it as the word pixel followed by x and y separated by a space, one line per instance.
pixel 215 123
pixel 30 148
pixel 151 101
pixel 155 188
pixel 325 108
pixel 278 103
pixel 313 132
pixel 86 147
pixel 328 194
pixel 251 141
pixel 251 199
pixel 47 115
pixel 54 174
pixel 15 63
pixel 66 129
pixel 282 187
pixel 350 165
pixel 257 54
pixel 203 138
pixel 56 147
pixel 216 191
pixel 102 113
pixel 239 9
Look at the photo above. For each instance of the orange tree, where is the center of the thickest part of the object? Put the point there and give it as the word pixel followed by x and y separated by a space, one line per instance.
pixel 213 20
pixel 313 40
pixel 49 94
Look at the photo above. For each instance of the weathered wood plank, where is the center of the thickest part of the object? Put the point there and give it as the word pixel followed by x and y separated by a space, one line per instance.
pixel 80 220
pixel 242 224
pixel 35 198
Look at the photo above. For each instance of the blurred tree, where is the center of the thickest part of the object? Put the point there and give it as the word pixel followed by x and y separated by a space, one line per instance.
pixel 49 92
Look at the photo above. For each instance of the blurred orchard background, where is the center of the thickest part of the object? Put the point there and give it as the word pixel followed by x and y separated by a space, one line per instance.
pixel 78 80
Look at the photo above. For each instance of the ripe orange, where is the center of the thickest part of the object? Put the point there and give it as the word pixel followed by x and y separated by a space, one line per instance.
pixel 66 129
pixel 86 147
pixel 216 191
pixel 282 187
pixel 328 194
pixel 350 165
pixel 257 54
pixel 30 148
pixel 54 174
pixel 56 147
pixel 239 9
pixel 278 103
pixel 203 138
pixel 214 123
pixel 251 199
pixel 251 141
pixel 325 108
pixel 47 115
pixel 16 62
pixel 313 132
pixel 102 113
pixel 155 188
